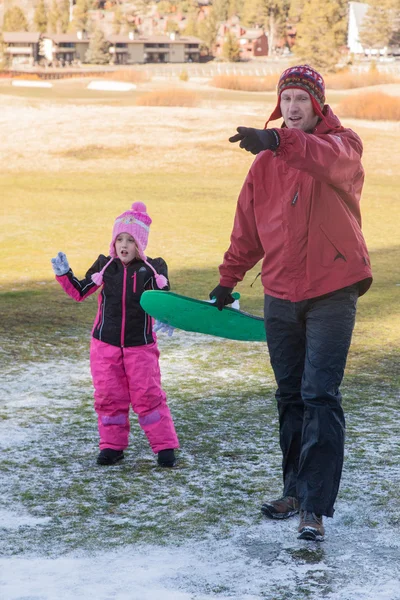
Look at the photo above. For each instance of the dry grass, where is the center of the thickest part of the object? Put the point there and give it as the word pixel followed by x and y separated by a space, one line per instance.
pixel 171 97
pixel 345 80
pixel 28 76
pixel 245 83
pixel 97 151
pixel 374 106
pixel 130 76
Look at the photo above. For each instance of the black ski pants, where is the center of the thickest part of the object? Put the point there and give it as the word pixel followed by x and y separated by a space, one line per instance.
pixel 308 343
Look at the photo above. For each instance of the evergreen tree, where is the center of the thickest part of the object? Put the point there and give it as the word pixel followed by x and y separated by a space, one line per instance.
pixel 252 14
pixel 295 11
pixel 191 27
pixel 188 6
pixel 172 26
pixel 64 15
pixel 270 15
pixel 381 24
pixel 81 15
pixel 276 15
pixel 119 20
pixel 15 20
pixel 3 55
pixel 54 18
pixel 165 8
pixel 235 7
pixel 97 52
pixel 221 8
pixel 321 33
pixel 231 48
pixel 40 17
pixel 207 31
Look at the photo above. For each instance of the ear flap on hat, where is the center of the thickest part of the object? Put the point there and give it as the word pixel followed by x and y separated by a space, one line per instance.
pixel 276 113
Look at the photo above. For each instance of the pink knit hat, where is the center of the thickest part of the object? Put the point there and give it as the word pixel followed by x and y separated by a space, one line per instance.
pixel 136 222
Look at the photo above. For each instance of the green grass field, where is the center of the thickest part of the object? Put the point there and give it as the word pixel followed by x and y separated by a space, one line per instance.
pixel 192 218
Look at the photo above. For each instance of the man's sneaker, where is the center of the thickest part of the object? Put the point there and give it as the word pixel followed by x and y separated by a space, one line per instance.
pixel 311 527
pixel 108 456
pixel 166 458
pixel 283 508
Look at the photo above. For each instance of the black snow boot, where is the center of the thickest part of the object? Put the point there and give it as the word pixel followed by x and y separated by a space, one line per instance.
pixel 108 456
pixel 166 458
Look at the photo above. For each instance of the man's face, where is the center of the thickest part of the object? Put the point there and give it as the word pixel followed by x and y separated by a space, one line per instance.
pixel 297 110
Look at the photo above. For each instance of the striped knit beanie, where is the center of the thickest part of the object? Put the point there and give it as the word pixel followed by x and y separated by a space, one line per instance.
pixel 305 78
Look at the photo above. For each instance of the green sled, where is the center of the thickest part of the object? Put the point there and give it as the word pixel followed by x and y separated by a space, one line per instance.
pixel 200 316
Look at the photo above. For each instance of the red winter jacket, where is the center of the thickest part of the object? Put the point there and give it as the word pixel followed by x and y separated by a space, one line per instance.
pixel 299 210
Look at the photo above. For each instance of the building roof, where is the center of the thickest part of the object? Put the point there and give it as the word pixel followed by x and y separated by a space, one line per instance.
pixel 252 34
pixel 152 39
pixel 59 38
pixel 23 37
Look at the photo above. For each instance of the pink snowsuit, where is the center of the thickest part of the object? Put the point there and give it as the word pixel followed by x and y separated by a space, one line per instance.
pixel 124 355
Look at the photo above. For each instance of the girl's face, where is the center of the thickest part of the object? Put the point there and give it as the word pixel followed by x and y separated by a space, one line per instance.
pixel 125 247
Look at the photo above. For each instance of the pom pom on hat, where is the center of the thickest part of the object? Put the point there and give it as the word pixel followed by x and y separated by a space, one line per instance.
pixel 161 281
pixel 97 278
pixel 139 207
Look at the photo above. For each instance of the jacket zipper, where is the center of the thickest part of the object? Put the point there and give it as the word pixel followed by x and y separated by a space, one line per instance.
pixel 123 308
pixel 295 198
pixel 134 282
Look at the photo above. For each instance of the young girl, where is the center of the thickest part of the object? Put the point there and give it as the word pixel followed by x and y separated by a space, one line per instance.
pixel 123 352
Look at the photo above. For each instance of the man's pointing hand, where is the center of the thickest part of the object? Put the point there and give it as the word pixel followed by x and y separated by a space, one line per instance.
pixel 256 140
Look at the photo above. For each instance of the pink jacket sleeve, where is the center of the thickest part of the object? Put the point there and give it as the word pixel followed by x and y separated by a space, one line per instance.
pixel 245 248
pixel 334 158
pixel 74 289
pixel 80 289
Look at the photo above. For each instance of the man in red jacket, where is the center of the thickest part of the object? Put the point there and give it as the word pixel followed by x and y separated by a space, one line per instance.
pixel 299 212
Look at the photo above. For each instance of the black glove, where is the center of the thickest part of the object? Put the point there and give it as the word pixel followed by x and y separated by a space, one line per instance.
pixel 222 296
pixel 256 140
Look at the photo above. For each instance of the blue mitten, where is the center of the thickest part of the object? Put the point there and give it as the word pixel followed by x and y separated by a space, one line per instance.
pixel 158 326
pixel 60 264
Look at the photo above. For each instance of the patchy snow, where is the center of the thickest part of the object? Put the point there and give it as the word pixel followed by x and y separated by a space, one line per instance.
pixel 244 567
pixel 34 385
pixel 13 519
pixel 111 86
pixel 28 83
pixel 232 553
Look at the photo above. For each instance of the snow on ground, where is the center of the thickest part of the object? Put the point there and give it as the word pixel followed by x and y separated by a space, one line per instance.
pixel 245 567
pixel 251 559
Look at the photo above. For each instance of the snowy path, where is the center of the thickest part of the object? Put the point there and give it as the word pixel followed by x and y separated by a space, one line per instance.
pixel 70 530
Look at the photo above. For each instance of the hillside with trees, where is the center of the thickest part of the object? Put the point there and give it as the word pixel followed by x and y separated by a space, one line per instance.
pixel 320 27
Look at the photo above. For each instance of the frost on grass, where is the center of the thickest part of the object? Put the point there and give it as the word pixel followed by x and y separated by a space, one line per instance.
pixel 71 529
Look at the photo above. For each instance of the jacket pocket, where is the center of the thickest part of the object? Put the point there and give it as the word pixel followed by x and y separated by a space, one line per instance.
pixel 330 250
